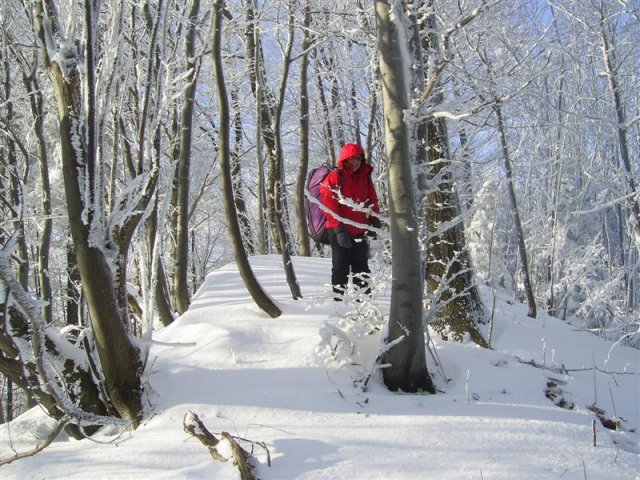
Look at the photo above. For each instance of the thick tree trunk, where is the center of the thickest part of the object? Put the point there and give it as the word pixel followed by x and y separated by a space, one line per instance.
pixel 119 357
pixel 406 355
pixel 24 368
pixel 456 309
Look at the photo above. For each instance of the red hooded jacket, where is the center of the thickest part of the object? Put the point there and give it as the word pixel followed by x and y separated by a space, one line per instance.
pixel 356 186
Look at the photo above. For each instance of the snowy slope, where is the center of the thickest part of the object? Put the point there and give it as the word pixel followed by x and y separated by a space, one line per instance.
pixel 274 381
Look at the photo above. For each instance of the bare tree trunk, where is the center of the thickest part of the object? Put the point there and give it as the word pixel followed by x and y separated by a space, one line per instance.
pixel 119 357
pixel 254 288
pixel 270 119
pixel 37 110
pixel 327 128
pixel 263 234
pixel 73 304
pixel 12 172
pixel 406 355
pixel 277 190
pixel 23 366
pixel 555 184
pixel 515 214
pixel 303 167
pixel 236 174
pixel 159 284
pixel 622 127
pixel 633 204
pixel 183 297
pixel 266 105
pixel 457 309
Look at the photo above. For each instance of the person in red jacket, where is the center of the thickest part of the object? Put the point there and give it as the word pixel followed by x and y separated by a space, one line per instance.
pixel 347 229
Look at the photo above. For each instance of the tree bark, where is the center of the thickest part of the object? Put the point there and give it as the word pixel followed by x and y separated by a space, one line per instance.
pixel 183 297
pixel 408 368
pixel 303 167
pixel 236 174
pixel 24 368
pixel 270 125
pixel 37 110
pixel 248 277
pixel 621 130
pixel 515 213
pixel 119 357
pixel 457 308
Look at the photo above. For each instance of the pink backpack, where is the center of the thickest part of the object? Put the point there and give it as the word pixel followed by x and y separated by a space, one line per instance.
pixel 315 215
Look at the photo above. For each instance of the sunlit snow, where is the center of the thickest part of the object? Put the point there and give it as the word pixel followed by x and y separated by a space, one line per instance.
pixel 499 414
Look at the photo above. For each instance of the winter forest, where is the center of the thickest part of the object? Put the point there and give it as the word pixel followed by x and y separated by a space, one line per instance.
pixel 145 144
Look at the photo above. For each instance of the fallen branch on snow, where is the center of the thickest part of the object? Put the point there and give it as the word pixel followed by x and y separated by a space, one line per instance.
pixel 564 370
pixel 241 458
pixel 38 448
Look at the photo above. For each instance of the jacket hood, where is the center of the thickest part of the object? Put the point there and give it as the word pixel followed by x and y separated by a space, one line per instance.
pixel 348 151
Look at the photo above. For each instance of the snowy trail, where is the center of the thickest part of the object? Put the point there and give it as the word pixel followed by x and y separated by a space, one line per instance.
pixel 263 379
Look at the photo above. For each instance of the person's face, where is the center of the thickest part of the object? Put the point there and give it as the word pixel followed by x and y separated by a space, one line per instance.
pixel 353 164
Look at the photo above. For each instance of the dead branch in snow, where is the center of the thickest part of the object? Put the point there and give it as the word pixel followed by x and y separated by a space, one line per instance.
pixel 38 448
pixel 241 458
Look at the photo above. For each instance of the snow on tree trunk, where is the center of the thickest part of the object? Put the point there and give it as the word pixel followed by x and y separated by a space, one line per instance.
pixel 407 370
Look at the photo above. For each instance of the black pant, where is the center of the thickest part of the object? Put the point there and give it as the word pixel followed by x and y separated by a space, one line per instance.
pixel 345 260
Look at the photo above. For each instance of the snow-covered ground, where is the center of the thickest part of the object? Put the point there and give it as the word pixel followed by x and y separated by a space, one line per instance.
pixel 496 415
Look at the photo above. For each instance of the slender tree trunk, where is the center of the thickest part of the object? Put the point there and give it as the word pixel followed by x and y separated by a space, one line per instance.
pixel 622 127
pixel 277 190
pixel 406 355
pixel 12 172
pixel 633 204
pixel 336 106
pixel 270 119
pixel 265 104
pixel 236 174
pixel 327 128
pixel 183 297
pixel 158 276
pixel 73 304
pixel 515 214
pixel 263 236
pixel 248 277
pixel 555 184
pixel 303 167
pixel 37 110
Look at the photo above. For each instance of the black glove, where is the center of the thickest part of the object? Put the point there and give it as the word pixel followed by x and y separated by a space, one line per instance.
pixel 342 236
pixel 375 223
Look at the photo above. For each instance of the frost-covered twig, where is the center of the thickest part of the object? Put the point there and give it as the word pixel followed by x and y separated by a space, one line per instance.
pixel 564 370
pixel 382 233
pixel 38 448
